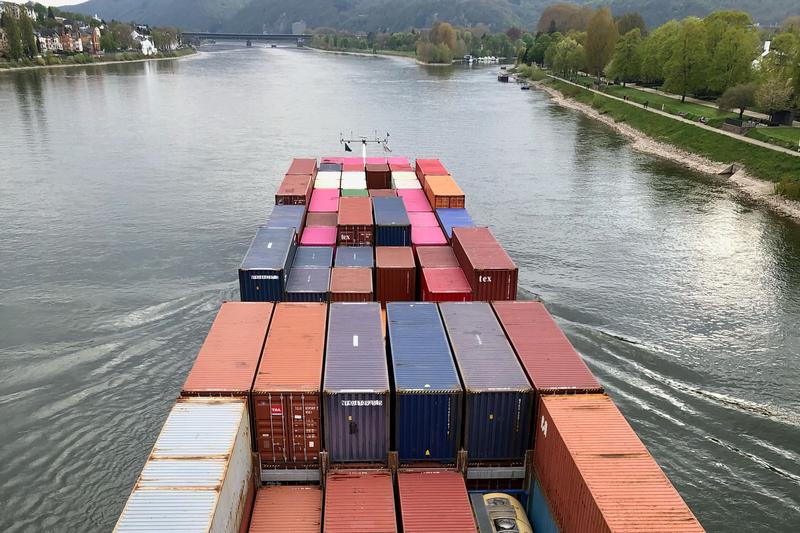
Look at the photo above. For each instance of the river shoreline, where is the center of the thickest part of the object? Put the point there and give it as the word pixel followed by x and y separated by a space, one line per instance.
pixel 757 190
pixel 378 54
pixel 97 64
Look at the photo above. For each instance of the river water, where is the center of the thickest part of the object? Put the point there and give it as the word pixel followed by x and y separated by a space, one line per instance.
pixel 129 193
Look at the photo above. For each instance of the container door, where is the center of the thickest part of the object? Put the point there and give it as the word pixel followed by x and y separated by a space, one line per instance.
pixel 355 427
pixel 271 428
pixel 305 428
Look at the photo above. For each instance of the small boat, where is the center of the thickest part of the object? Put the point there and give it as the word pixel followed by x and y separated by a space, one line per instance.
pixel 273 46
pixel 525 87
pixel 503 77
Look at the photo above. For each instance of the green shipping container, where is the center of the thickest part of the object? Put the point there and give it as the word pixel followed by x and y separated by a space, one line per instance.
pixel 355 192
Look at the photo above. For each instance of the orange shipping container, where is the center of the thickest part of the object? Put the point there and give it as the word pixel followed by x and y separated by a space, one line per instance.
pixel 597 475
pixel 286 391
pixel 229 356
pixel 434 501
pixel 443 191
pixel 359 502
pixel 287 508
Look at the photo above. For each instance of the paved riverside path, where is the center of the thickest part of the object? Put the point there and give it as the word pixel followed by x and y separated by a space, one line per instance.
pixel 687 121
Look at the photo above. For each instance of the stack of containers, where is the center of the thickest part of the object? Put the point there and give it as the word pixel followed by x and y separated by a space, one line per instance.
pixel 490 271
pixel 354 225
pixel 498 396
pixel 295 190
pixel 350 284
pixel 429 167
pixel 434 501
pixel 287 216
pixel 443 191
pixel 199 475
pixel 392 225
pixel 356 385
pixel 286 389
pixel 359 502
pixel 378 176
pixel 265 268
pixel 405 179
pixel 450 218
pixel 309 278
pixel 297 509
pixel 321 220
pixel 428 393
pixel 395 274
pixel 415 200
pixel 595 474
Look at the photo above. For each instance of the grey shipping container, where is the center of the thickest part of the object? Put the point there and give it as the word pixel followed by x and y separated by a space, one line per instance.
pixel 313 256
pixel 499 398
pixel 428 393
pixel 392 226
pixel 265 268
pixel 308 284
pixel 356 385
pixel 288 216
pixel 355 256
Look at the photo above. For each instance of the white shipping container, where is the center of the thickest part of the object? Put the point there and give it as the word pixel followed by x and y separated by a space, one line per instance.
pixel 199 475
pixel 329 174
pixel 406 184
pixel 326 183
pixel 354 174
pixel 354 184
pixel 403 175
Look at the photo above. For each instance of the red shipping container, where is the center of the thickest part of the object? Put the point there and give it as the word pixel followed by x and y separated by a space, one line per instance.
pixel 445 285
pixel 552 364
pixel 378 176
pixel 295 190
pixel 229 356
pixel 436 257
pixel 398 161
pixel 359 502
pixel 435 501
pixel 350 284
pixel 395 274
pixel 303 166
pixel 322 219
pixel 353 167
pixel 596 473
pixel 382 192
pixel 286 391
pixel 355 225
pixel 490 271
pixel 429 167
pixel 297 509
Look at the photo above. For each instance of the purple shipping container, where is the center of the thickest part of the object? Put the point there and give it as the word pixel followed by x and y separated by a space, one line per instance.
pixel 356 385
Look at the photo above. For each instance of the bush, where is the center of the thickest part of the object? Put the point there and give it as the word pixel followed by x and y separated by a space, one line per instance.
pixel 789 188
pixel 53 60
pixel 40 61
pixel 533 73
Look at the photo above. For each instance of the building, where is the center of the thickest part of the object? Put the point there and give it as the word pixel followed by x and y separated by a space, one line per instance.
pixel 90 40
pixel 148 48
pixel 3 42
pixel 17 10
pixel 49 42
pixel 66 41
pixel 77 43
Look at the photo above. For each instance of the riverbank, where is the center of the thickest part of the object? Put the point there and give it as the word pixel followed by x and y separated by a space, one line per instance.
pixel 629 122
pixel 178 55
pixel 382 53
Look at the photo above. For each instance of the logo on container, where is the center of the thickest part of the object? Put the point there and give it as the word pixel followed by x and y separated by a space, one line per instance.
pixel 484 279
pixel 263 276
pixel 543 426
pixel 361 403
pixel 276 410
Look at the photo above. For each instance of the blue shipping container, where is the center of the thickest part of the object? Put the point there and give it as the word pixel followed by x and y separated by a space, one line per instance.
pixel 330 167
pixel 392 226
pixel 265 268
pixel 355 256
pixel 356 384
pixel 539 513
pixel 308 284
pixel 499 398
pixel 313 257
pixel 450 218
pixel 288 216
pixel 428 393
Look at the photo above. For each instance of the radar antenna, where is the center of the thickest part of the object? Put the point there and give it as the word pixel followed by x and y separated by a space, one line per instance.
pixel 364 140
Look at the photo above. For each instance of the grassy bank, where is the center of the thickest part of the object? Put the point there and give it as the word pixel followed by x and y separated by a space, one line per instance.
pixel 759 162
pixel 368 51
pixel 86 59
pixel 785 136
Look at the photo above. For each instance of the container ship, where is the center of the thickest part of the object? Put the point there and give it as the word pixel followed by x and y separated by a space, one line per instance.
pixel 379 375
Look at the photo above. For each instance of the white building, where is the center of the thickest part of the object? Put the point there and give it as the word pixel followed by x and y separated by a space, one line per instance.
pixel 148 48
pixel 49 42
pixel 757 61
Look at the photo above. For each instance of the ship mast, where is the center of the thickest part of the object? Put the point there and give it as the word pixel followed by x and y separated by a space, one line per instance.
pixel 363 139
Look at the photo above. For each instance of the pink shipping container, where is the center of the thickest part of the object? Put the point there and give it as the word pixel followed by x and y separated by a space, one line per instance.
pixel 296 509
pixel 335 160
pixel 597 475
pixel 319 236
pixel 398 161
pixel 445 285
pixel 434 501
pixel 376 160
pixel 359 502
pixel 415 200
pixel 427 236
pixel 423 219
pixel 353 161
pixel 490 271
pixel 324 201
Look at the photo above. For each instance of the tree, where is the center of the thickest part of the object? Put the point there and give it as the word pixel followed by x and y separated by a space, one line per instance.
pixel 774 95
pixel 601 37
pixel 29 46
pixel 731 62
pixel 11 26
pixel 657 49
pixel 686 70
pixel 443 33
pixel 563 17
pixel 549 53
pixel 791 24
pixel 630 21
pixel 514 33
pixel 626 64
pixel 739 97
pixel 567 57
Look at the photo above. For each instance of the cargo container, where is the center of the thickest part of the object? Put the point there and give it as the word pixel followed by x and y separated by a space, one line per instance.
pixel 355 226
pixel 490 271
pixel 445 285
pixel 286 391
pixel 354 180
pixel 436 257
pixel 401 168
pixel 392 226
pixel 355 256
pixel 539 513
pixel 453 218
pixel 352 167
pixel 406 185
pixel 356 385
pixel 319 236
pixel 378 176
pixel 199 475
pixel 381 193
pixel 398 161
pixel 596 473
pixel 430 167
pixel 303 166
pixel 327 180
pixel 265 268
pixel 428 394
pixel 435 501
pixel 295 509
pixel 308 285
pixel 395 274
pixel 321 219
pixel 331 159
pixel 415 200
pixel 499 398
pixel 443 191
pixel 313 256
pixel 329 166
pixel 295 190
pixel 376 160
pixel 287 216
pixel 355 192
pixel 324 201
pixel 402 179
pixel 228 358
pixel 351 285
pixel 427 236
pixel 423 219
pixel 359 502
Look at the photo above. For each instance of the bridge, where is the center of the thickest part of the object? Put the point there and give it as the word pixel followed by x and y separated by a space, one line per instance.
pixel 299 38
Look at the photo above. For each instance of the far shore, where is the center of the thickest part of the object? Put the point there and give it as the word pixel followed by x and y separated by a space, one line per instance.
pixel 98 63
pixel 379 54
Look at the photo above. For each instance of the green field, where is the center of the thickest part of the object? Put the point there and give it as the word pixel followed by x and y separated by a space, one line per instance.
pixel 785 136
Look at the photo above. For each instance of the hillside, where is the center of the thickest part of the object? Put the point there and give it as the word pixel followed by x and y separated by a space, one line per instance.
pixel 394 15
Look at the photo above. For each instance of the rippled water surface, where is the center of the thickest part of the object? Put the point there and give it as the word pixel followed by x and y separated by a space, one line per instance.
pixel 129 193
